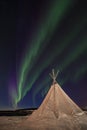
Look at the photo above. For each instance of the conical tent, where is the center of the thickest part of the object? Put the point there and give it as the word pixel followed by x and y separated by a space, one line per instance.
pixel 57 111
pixel 56 102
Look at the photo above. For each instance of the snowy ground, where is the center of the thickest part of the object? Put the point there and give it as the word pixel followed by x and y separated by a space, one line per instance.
pixel 11 122
pixel 21 123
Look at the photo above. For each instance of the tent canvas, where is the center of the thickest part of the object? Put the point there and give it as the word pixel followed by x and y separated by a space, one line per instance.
pixel 57 111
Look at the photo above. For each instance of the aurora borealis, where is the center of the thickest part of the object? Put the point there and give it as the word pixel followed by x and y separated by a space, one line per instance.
pixel 43 35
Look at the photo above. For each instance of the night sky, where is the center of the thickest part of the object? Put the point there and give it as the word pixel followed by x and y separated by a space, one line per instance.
pixel 35 37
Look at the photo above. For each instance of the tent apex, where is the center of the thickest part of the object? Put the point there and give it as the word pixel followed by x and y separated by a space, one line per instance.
pixel 54 75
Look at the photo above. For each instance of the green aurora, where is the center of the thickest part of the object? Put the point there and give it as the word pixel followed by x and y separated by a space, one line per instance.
pixel 54 16
pixel 42 37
